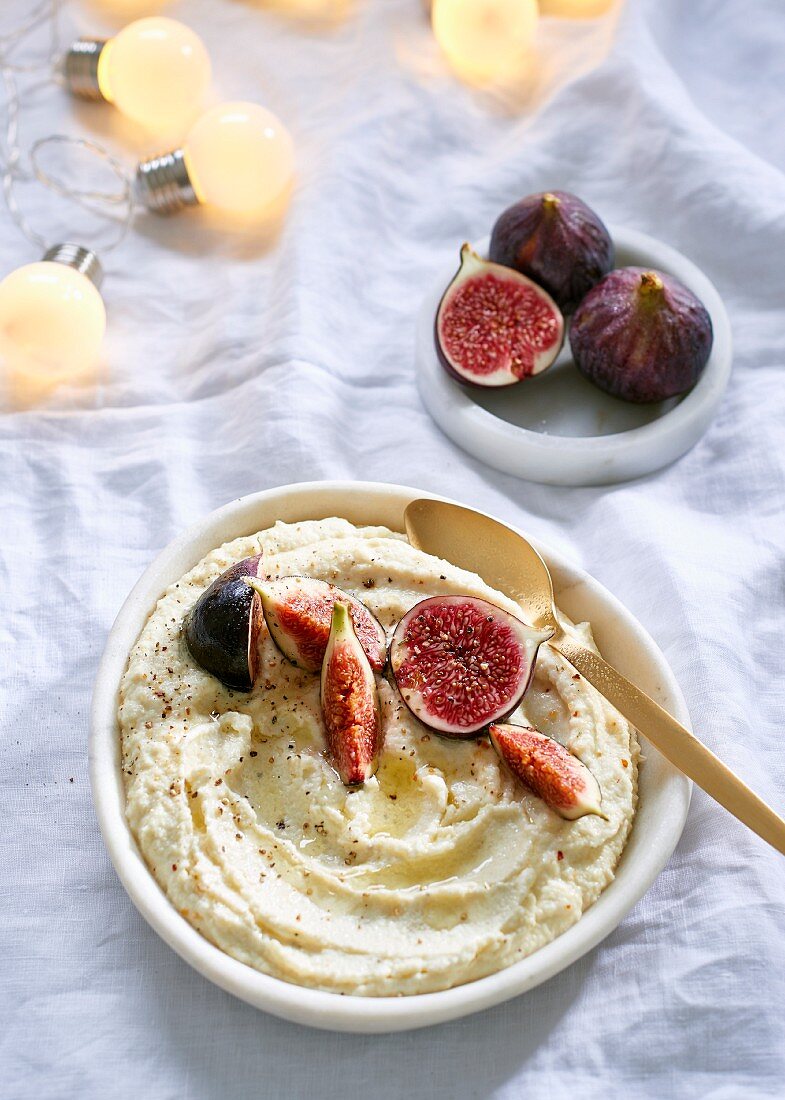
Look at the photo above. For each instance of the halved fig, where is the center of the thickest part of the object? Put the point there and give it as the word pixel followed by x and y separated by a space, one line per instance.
pixel 549 770
pixel 494 326
pixel 222 627
pixel 461 663
pixel 350 703
pixel 298 612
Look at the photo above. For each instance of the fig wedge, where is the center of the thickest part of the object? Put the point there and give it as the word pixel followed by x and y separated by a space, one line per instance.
pixel 298 612
pixel 350 703
pixel 548 770
pixel 461 663
pixel 222 627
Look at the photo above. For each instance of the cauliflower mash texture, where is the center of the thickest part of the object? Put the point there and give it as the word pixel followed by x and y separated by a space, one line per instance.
pixel 439 870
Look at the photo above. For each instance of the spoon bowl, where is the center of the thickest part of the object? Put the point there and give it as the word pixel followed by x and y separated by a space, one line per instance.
pixel 502 557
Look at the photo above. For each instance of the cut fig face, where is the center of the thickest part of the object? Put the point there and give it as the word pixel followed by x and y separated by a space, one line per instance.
pixel 222 628
pixel 494 326
pixel 350 703
pixel 298 612
pixel 549 770
pixel 460 663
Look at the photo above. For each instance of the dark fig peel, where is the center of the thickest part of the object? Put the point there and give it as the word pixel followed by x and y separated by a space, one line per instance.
pixel 222 627
pixel 558 241
pixel 641 335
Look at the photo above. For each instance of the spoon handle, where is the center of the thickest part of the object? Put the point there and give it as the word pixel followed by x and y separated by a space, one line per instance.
pixel 676 743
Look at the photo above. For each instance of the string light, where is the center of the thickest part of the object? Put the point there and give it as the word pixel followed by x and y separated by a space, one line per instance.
pixel 155 71
pixel 485 41
pixel 576 9
pixel 129 9
pixel 52 316
pixel 238 158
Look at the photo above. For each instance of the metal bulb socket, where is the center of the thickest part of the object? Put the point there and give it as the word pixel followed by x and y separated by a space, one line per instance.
pixel 163 183
pixel 83 260
pixel 80 68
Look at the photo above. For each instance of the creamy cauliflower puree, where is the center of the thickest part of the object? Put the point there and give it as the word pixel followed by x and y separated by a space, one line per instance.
pixel 440 870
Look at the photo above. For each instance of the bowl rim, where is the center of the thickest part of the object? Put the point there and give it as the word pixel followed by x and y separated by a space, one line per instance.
pixel 298 1003
pixel 654 445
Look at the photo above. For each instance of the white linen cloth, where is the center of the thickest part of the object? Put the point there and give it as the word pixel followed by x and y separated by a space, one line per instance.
pixel 231 369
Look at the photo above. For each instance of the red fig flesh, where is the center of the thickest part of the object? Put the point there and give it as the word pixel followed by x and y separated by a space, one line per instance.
pixel 298 612
pixel 641 335
pixel 558 241
pixel 461 662
pixel 494 326
pixel 222 627
pixel 549 770
pixel 350 704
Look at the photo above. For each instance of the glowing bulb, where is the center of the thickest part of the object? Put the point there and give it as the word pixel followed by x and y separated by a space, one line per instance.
pixel 485 40
pixel 52 318
pixel 155 71
pixel 129 9
pixel 576 9
pixel 238 158
pixel 330 11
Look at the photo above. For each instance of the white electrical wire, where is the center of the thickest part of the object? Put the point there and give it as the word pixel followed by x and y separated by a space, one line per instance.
pixel 42 12
pixel 14 169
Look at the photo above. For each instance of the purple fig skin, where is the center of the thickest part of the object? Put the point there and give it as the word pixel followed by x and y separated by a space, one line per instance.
pixel 222 627
pixel 641 335
pixel 558 241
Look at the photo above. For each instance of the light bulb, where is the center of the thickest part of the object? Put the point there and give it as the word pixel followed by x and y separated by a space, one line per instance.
pixel 485 40
pixel 155 71
pixel 329 11
pixel 128 9
pixel 575 9
pixel 238 158
pixel 52 317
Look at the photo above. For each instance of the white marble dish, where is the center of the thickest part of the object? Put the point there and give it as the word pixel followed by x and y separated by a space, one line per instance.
pixel 560 429
pixel 664 793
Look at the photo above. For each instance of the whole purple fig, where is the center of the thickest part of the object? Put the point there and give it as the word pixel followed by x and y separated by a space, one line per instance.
pixel 558 241
pixel 641 335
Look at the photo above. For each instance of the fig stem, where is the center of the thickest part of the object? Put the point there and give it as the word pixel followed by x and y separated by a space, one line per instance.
pixel 340 621
pixel 549 201
pixel 651 283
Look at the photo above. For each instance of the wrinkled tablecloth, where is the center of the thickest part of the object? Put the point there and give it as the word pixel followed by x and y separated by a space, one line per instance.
pixel 234 367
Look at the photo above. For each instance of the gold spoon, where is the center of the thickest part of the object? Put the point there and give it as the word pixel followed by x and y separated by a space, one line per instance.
pixel 507 562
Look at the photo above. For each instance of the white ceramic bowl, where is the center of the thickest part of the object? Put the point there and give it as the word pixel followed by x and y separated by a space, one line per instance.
pixel 664 792
pixel 560 429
